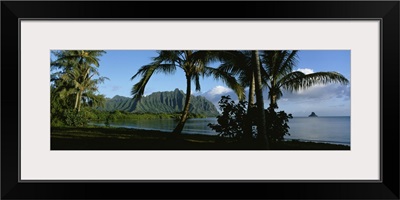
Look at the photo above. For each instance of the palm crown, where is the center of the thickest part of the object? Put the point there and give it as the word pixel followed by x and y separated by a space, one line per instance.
pixel 278 74
pixel 277 71
pixel 76 76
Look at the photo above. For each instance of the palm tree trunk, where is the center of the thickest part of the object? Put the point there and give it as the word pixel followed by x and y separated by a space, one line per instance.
pixel 76 100
pixel 261 126
pixel 273 104
pixel 252 90
pixel 185 113
pixel 84 77
pixel 248 126
pixel 79 100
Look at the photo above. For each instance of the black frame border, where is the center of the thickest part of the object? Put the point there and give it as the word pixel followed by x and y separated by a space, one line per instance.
pixel 386 11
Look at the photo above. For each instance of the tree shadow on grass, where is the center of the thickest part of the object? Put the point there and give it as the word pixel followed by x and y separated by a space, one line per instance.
pixel 96 138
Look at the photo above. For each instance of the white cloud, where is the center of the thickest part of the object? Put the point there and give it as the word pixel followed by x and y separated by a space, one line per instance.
pixel 305 70
pixel 325 100
pixel 320 92
pixel 214 95
pixel 330 90
pixel 318 98
pixel 218 90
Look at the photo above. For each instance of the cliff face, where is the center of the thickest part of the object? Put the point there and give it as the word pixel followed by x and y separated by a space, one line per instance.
pixel 161 102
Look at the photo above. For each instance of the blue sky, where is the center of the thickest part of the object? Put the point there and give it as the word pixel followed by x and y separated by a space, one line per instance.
pixel 327 100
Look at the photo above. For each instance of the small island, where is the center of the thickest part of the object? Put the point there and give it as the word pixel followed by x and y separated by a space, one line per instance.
pixel 313 115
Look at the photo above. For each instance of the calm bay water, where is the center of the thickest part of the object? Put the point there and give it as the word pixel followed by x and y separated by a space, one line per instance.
pixel 319 129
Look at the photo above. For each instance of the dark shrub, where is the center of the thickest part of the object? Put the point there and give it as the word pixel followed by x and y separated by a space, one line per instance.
pixel 276 123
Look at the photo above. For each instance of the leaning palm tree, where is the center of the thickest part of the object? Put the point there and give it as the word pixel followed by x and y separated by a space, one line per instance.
pixel 279 74
pixel 194 64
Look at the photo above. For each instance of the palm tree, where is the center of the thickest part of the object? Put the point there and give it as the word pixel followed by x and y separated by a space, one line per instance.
pixel 246 66
pixel 261 126
pixel 194 64
pixel 240 64
pixel 78 67
pixel 243 65
pixel 278 74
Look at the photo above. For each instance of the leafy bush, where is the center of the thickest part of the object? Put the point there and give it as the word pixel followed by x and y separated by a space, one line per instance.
pixel 89 114
pixel 232 120
pixel 73 118
pixel 276 123
pixel 235 118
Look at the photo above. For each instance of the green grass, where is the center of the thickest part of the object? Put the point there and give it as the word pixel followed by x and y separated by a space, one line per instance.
pixel 110 138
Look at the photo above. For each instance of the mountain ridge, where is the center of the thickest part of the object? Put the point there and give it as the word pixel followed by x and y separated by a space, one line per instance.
pixel 161 102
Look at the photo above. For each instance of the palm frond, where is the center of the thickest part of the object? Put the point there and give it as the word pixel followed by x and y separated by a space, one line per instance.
pixel 102 79
pixel 290 60
pixel 146 72
pixel 238 63
pixel 296 75
pixel 306 81
pixel 212 56
pixel 168 56
pixel 94 100
pixel 279 63
pixel 228 79
pixel 166 68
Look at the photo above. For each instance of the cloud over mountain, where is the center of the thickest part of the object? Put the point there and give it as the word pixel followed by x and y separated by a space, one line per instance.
pixel 214 95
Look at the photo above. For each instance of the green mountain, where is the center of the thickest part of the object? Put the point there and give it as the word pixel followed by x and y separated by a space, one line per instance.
pixel 161 102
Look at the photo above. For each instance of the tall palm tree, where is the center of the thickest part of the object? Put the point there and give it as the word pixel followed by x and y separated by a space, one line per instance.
pixel 240 64
pixel 279 74
pixel 78 67
pixel 244 64
pixel 194 64
pixel 261 126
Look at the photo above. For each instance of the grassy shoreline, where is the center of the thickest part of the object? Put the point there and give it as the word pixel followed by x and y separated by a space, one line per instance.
pixel 112 138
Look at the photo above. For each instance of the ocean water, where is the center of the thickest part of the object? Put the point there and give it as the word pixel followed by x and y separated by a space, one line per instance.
pixel 322 129
pixel 334 130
